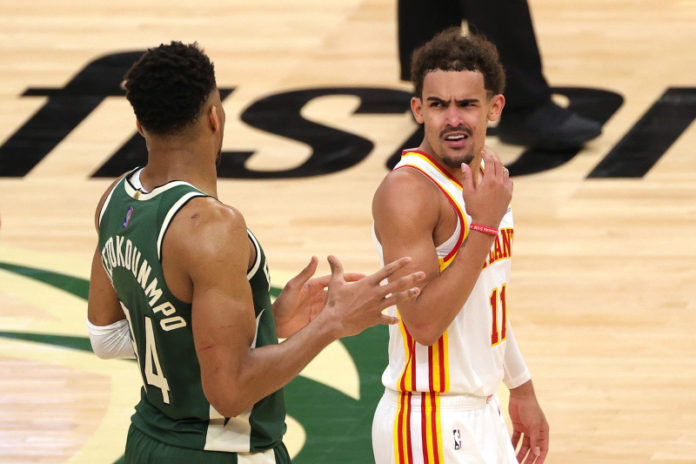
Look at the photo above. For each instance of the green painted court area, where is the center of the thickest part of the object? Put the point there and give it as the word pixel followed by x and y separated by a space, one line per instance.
pixel 337 426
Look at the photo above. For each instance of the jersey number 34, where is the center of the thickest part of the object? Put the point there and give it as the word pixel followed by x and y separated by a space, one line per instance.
pixel 152 369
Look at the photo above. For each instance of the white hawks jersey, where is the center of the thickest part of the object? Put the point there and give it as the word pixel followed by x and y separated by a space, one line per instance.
pixel 468 357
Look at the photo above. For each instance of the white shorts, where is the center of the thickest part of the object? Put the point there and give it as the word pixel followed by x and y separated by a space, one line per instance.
pixel 459 429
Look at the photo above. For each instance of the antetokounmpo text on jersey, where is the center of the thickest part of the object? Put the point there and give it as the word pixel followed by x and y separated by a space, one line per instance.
pixel 120 252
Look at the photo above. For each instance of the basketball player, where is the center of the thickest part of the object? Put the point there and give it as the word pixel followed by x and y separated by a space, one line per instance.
pixel 178 280
pixel 446 204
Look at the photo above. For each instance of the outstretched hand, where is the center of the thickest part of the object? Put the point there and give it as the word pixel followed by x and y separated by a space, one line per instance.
pixel 302 299
pixel 487 200
pixel 353 307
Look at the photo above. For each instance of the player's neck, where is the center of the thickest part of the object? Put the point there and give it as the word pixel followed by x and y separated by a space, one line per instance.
pixel 164 166
pixel 455 171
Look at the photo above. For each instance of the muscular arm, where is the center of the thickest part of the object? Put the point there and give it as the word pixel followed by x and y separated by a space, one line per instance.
pixel 108 332
pixel 406 215
pixel 103 307
pixel 235 376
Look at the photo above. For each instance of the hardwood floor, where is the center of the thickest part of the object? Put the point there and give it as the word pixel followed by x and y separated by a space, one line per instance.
pixel 602 297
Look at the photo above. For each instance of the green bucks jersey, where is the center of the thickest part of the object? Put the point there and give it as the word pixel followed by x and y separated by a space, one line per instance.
pixel 173 408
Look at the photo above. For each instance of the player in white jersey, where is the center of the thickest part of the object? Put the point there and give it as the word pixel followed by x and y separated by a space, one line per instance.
pixel 447 205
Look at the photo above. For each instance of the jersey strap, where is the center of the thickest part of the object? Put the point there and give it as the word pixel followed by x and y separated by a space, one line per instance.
pixel 108 197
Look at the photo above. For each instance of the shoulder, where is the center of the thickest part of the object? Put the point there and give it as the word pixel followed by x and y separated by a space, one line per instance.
pixel 206 228
pixel 208 217
pixel 405 191
pixel 103 198
pixel 404 196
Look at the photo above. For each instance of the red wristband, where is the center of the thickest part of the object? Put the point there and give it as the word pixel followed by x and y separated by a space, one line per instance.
pixel 484 229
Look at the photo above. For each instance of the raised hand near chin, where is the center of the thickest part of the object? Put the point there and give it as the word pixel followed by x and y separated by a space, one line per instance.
pixel 487 200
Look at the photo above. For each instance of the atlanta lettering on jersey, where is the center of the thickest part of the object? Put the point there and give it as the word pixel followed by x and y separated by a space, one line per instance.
pixel 502 248
pixel 122 253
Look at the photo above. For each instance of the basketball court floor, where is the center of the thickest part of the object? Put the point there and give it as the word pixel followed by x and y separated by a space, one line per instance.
pixel 604 268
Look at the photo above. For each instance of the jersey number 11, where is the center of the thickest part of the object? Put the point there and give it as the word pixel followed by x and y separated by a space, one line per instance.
pixel 498 335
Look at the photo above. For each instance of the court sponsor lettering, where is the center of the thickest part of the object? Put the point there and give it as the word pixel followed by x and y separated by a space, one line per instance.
pixel 332 150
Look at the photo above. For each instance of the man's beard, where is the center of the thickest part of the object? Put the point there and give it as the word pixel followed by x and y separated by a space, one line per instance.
pixel 463 158
pixel 457 163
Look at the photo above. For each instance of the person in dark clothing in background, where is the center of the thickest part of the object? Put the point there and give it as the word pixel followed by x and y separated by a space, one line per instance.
pixel 530 117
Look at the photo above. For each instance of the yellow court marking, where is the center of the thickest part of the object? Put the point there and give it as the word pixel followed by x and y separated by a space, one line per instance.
pixel 107 442
pixel 70 264
pixel 61 312
pixel 334 366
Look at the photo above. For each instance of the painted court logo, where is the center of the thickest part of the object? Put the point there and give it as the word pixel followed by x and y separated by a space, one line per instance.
pixel 309 399
pixel 332 150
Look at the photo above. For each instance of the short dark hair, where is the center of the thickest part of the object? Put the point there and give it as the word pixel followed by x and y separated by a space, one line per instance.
pixel 168 86
pixel 450 51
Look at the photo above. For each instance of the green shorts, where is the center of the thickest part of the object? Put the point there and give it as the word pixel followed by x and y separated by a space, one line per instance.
pixel 143 449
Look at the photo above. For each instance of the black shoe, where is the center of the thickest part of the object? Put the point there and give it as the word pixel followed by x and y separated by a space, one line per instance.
pixel 548 127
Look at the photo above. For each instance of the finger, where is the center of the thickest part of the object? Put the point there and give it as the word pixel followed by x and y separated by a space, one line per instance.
pixel 388 320
pixel 353 276
pixel 543 443
pixel 516 434
pixel 489 160
pixel 336 267
pixel 488 153
pixel 530 458
pixel 404 282
pixel 309 270
pixel 542 456
pixel 534 445
pixel 498 167
pixel 349 277
pixel 399 297
pixel 495 163
pixel 468 185
pixel 524 449
pixel 389 269
pixel 322 281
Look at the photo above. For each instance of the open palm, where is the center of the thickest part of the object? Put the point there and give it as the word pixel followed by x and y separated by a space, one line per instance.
pixel 302 299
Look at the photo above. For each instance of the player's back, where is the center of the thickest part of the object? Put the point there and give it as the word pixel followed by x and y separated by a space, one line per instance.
pixel 173 407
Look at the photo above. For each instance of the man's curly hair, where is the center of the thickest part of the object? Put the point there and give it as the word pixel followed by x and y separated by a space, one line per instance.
pixel 168 86
pixel 450 51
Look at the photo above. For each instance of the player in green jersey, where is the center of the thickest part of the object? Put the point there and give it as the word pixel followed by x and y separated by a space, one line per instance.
pixel 181 283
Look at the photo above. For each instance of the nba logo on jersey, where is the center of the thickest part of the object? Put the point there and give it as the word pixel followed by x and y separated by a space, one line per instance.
pixel 457 439
pixel 129 213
